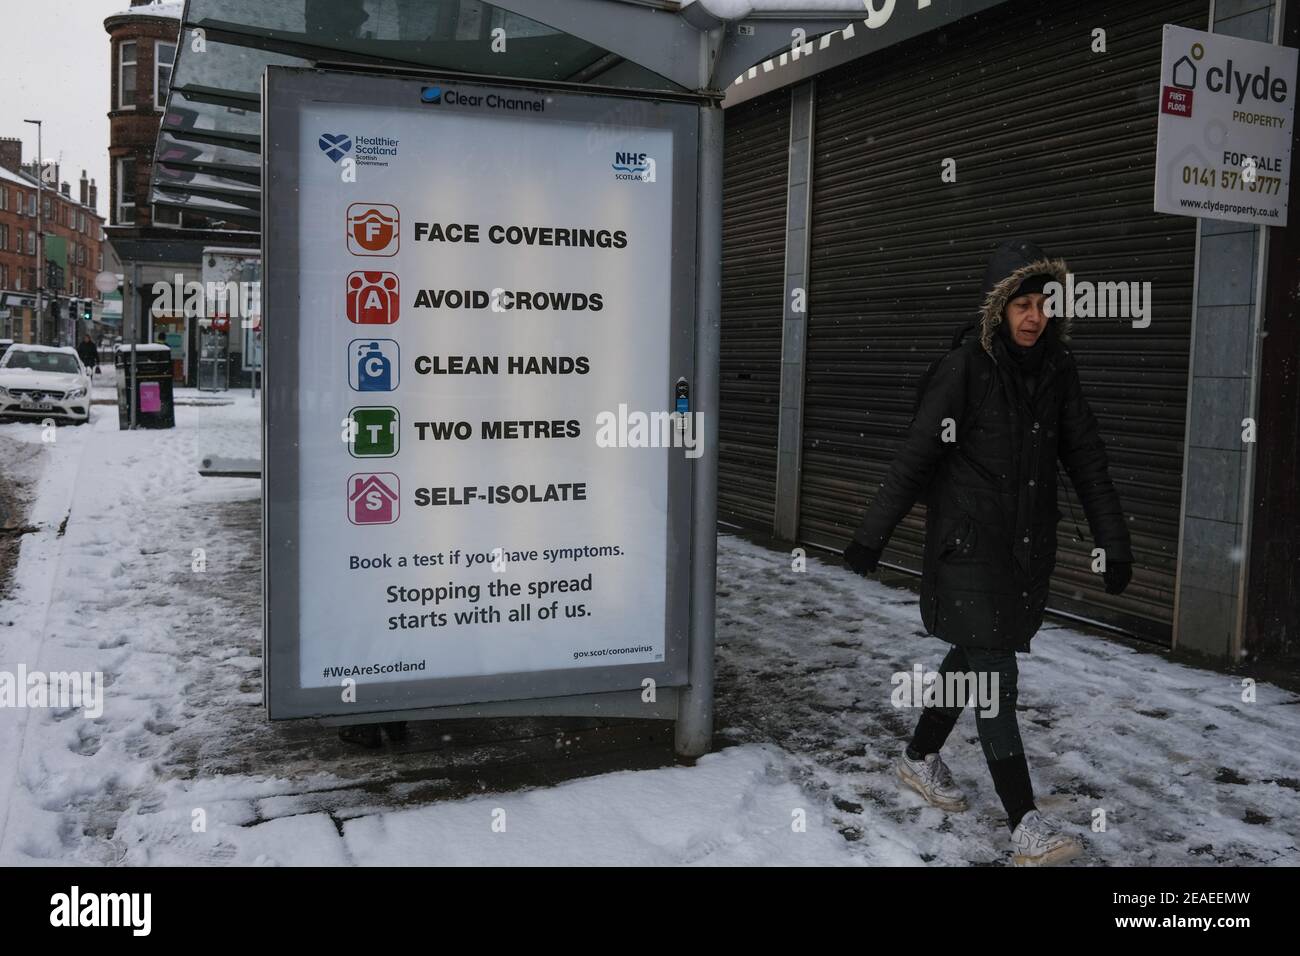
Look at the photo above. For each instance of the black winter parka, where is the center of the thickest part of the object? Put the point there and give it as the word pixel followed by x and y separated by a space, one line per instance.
pixel 990 488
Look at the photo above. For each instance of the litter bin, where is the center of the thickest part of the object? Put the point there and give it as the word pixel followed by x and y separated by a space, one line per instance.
pixel 153 385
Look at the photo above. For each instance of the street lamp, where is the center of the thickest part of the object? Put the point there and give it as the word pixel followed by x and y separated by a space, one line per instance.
pixel 40 237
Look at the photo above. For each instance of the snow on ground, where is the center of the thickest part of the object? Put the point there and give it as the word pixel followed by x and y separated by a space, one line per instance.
pixel 1186 772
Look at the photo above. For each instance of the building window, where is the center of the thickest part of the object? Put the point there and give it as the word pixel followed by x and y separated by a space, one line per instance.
pixel 126 75
pixel 164 54
pixel 31 242
pixel 31 204
pixel 4 276
pixel 166 216
pixel 124 208
pixel 45 208
pixel 4 199
pixel 4 238
pixel 18 201
pixel 18 247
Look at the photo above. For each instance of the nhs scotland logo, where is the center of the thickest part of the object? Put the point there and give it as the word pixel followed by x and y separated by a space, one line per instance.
pixel 634 167
pixel 335 145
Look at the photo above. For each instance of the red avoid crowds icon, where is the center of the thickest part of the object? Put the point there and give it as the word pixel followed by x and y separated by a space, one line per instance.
pixel 373 298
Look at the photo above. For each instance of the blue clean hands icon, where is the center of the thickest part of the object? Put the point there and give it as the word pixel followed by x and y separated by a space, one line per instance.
pixel 335 145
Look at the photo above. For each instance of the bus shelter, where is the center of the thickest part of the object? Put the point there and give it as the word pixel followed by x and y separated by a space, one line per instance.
pixel 491 238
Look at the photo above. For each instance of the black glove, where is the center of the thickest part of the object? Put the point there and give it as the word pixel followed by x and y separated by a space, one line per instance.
pixel 860 558
pixel 1117 576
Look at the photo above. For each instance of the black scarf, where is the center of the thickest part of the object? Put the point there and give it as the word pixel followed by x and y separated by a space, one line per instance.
pixel 1027 360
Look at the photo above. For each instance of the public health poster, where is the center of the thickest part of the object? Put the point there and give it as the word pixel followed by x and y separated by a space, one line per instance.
pixel 476 287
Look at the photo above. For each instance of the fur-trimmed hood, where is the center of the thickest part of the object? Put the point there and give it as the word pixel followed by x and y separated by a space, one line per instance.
pixel 1011 263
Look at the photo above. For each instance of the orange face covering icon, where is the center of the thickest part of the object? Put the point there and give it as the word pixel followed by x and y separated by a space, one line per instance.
pixel 373 229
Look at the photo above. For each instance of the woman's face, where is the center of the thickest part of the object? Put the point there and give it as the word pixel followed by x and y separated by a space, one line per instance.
pixel 1026 318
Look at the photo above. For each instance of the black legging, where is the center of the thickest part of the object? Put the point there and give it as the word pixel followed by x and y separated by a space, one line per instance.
pixel 999 734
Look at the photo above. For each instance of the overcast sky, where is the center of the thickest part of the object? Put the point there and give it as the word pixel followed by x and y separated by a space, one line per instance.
pixel 54 63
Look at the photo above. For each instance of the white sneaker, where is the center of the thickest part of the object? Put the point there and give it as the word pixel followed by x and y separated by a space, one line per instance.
pixel 932 779
pixel 1038 841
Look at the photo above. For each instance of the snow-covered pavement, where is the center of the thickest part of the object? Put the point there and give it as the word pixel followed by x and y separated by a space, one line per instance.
pixel 1186 772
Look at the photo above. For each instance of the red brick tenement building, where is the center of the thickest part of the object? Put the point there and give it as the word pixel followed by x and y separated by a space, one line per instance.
pixel 73 251
pixel 143 42
pixel 155 242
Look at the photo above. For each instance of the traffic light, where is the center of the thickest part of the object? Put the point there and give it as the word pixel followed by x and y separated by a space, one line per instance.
pixel 86 311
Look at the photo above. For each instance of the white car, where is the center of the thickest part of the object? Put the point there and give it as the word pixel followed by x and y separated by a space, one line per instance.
pixel 37 381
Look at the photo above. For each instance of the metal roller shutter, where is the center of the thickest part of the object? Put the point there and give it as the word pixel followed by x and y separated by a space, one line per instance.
pixel 753 265
pixel 1052 141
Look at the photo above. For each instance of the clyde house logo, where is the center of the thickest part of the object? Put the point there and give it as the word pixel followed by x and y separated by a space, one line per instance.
pixel 373 229
pixel 634 167
pixel 1176 100
pixel 366 150
pixel 1264 89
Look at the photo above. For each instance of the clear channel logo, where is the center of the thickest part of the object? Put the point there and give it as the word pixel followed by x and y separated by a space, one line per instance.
pixel 467 97
pixel 634 167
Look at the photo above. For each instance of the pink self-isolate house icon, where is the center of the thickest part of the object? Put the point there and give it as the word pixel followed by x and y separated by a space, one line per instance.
pixel 373 499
